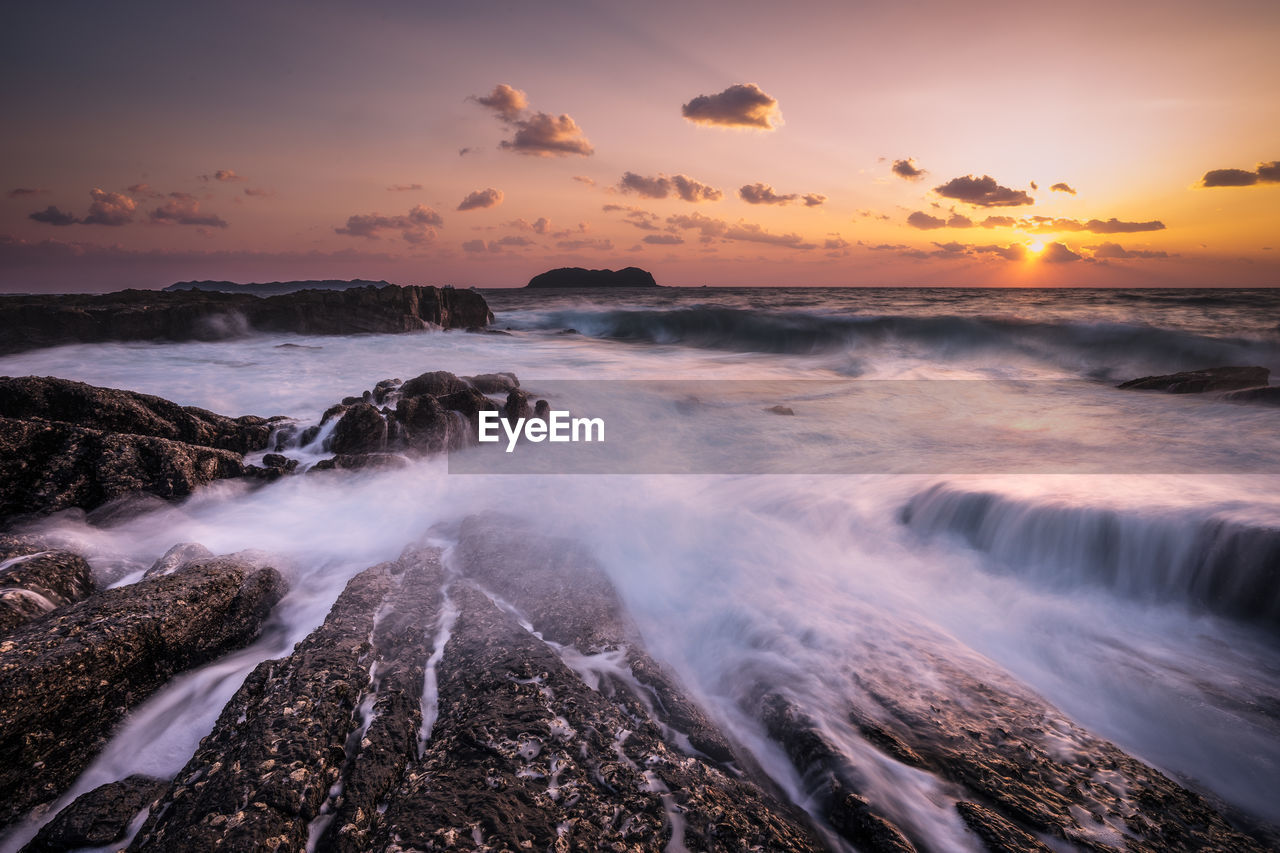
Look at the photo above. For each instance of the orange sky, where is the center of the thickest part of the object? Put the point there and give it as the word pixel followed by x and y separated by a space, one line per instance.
pixel 713 144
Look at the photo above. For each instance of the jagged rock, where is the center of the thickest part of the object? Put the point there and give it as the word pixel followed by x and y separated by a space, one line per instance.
pixel 1269 394
pixel 360 461
pixel 177 557
pixel 28 321
pixel 385 389
pixel 114 411
pixel 98 817
pixel 68 679
pixel 1199 381
pixel 279 462
pixel 517 405
pixel 47 466
pixel 470 403
pixel 542 410
pixel 362 429
pixel 579 277
pixel 284 739
pixel 20 545
pixel 436 383
pixel 493 383
pixel 423 423
pixel 998 834
pixel 34 585
pixel 780 410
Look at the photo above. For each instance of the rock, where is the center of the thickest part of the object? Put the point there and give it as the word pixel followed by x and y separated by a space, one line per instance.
pixel 424 425
pixel 470 403
pixel 493 383
pixel 517 405
pixel 37 320
pixel 177 557
pixel 436 383
pixel 1199 381
pixel 114 411
pixel 46 467
pixel 780 410
pixel 998 834
pixel 287 735
pixel 385 389
pixel 99 817
pixel 542 410
pixel 1269 394
pixel 362 429
pixel 579 277
pixel 278 462
pixel 20 545
pixel 352 401
pixel 67 680
pixel 273 288
pixel 36 584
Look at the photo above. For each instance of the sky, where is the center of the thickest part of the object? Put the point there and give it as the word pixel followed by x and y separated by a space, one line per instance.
pixel 477 144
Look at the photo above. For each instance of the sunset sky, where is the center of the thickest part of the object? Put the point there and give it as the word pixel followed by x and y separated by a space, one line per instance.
pixel 1021 144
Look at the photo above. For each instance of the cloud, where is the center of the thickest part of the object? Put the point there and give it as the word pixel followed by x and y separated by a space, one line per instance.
pixel 1116 251
pixel 224 175
pixel 925 222
pixel 1014 252
pixel 109 208
pixel 539 226
pixel 982 192
pixel 958 220
pixel 258 192
pixel 475 246
pixel 417 226
pixel 1058 253
pixel 583 179
pixel 463 152
pixel 1061 187
pixel 871 214
pixel 999 222
pixel 835 243
pixel 404 188
pixel 143 190
pixel 53 216
pixel 514 240
pixel 574 245
pixel 1265 173
pixel 1097 226
pixel 764 194
pixel 814 199
pixel 537 134
pixel 481 199
pixel 662 186
pixel 497 245
pixel 907 169
pixel 663 239
pixel 705 225
pixel 184 209
pixel 740 105
pixel 747 232
pixel 507 101
pixel 27 192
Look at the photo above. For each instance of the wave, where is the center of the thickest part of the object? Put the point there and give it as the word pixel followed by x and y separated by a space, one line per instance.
pixel 1096 348
pixel 1205 561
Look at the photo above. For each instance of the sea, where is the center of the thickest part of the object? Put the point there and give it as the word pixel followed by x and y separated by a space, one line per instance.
pixel 959 479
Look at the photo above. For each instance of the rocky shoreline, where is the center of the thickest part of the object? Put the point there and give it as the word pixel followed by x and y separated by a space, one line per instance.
pixel 485 691
pixel 32 321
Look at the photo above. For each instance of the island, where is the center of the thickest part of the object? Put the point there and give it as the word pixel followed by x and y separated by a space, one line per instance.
pixel 579 277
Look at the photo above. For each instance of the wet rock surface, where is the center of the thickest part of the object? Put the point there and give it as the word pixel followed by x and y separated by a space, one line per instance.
pixel 30 321
pixel 99 817
pixel 1268 394
pixel 1200 381
pixel 33 585
pixel 67 679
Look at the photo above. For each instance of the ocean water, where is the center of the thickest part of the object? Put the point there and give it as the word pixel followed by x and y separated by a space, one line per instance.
pixel 1142 599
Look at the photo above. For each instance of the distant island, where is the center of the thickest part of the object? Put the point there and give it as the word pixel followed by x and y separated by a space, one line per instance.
pixel 272 288
pixel 579 277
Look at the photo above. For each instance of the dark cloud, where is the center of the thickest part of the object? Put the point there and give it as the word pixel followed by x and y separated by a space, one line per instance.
pixel 662 186
pixel 184 209
pixel 1097 226
pixel 1061 187
pixel 871 214
pixel 481 199
pixel 835 243
pixel 143 191
pixel 53 216
pixel 747 232
pixel 814 199
pixel 224 175
pixel 508 242
pixel 539 226
pixel 663 239
pixel 1116 251
pixel 535 133
pixel 1265 173
pixel 27 192
pixel 958 220
pixel 982 192
pixel 417 226
pixel 763 194
pixel 404 188
pixel 925 222
pixel 1034 185
pixel 475 246
pixel 999 222
pixel 1058 253
pixel 740 105
pixel 258 192
pixel 908 169
pixel 583 179
pixel 1014 252
pixel 463 152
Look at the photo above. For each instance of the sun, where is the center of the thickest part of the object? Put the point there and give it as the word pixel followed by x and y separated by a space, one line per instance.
pixel 1036 246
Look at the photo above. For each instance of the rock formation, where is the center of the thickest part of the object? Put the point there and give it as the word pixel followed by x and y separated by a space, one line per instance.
pixel 579 277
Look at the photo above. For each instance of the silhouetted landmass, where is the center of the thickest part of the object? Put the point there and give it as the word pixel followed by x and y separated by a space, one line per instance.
pixel 32 321
pixel 272 288
pixel 579 277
